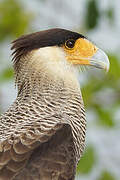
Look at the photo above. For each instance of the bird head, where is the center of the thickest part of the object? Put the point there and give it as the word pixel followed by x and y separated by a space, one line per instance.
pixel 54 47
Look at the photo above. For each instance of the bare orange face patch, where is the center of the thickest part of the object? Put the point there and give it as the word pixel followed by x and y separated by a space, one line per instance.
pixel 81 52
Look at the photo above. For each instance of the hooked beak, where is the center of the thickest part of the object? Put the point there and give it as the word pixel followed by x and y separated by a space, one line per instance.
pixel 100 60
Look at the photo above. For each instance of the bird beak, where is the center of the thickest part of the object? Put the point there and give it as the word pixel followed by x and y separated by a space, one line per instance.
pixel 85 53
pixel 99 60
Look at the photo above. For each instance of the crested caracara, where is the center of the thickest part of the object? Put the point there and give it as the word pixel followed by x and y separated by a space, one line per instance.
pixel 42 135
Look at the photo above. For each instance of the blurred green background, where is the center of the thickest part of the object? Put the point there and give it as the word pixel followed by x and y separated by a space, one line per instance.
pixel 99 21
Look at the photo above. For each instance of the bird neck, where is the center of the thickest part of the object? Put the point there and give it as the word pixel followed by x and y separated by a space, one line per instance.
pixel 35 74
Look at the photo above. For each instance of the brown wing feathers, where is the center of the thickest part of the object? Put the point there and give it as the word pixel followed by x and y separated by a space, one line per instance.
pixel 15 159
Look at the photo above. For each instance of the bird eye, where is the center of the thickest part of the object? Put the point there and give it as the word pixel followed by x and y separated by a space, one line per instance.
pixel 69 43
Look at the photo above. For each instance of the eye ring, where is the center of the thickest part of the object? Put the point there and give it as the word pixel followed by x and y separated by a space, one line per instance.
pixel 69 44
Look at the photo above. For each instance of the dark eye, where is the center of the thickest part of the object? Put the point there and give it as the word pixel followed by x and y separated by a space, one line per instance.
pixel 70 43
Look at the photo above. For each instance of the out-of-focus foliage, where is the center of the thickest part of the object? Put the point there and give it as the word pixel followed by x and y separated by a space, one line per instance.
pixel 106 176
pixel 6 75
pixel 87 161
pixel 14 20
pixel 92 14
pixel 110 14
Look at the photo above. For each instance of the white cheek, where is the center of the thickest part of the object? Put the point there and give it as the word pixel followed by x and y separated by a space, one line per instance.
pixel 51 58
pixel 53 61
pixel 50 54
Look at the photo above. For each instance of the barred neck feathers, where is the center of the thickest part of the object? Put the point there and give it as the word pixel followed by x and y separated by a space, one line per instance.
pixel 45 67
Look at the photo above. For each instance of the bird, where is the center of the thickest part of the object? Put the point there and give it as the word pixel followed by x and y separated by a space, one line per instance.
pixel 42 134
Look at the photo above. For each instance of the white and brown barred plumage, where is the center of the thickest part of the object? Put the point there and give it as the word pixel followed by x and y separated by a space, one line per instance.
pixel 42 135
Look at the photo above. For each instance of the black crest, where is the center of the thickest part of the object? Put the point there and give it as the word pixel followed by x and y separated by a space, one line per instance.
pixel 51 37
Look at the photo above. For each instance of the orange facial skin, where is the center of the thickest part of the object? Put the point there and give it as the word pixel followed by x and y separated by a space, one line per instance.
pixel 81 53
